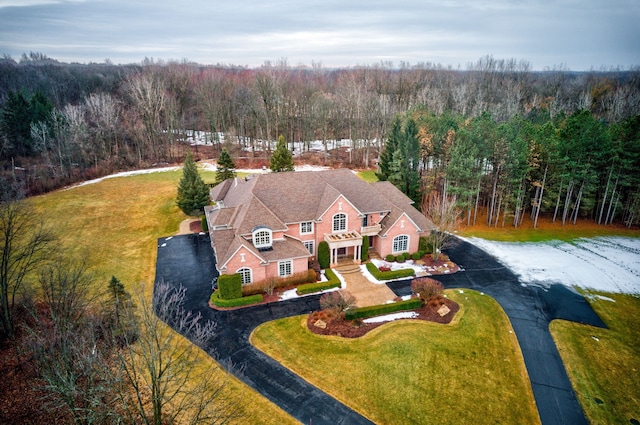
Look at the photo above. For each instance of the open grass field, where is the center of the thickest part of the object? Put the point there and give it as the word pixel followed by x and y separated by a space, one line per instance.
pixel 415 372
pixel 604 364
pixel 115 224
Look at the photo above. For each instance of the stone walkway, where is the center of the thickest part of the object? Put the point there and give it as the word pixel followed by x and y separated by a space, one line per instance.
pixel 365 292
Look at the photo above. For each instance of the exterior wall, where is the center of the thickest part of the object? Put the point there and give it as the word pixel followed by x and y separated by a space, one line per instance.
pixel 409 229
pixel 250 261
pixel 341 205
pixel 299 265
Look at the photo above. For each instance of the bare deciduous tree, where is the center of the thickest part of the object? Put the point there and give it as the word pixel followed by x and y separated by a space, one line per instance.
pixel 445 216
pixel 168 386
pixel 25 244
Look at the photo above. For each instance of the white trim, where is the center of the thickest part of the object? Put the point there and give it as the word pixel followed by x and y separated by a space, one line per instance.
pixel 312 243
pixel 333 222
pixel 232 256
pixel 266 242
pixel 241 274
pixel 284 263
pixel 340 195
pixel 418 229
pixel 393 243
pixel 309 232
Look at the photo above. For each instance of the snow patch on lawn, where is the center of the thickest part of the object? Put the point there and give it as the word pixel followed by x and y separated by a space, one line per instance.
pixel 391 317
pixel 124 174
pixel 608 264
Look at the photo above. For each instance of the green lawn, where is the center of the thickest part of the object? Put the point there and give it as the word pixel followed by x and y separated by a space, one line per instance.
pixel 604 364
pixel 115 224
pixel 368 175
pixel 470 371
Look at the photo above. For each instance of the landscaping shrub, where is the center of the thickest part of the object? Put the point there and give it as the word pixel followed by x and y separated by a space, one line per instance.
pixel 337 300
pixel 365 248
pixel 426 288
pixel 315 266
pixel 234 302
pixel 390 258
pixel 378 310
pixel 392 274
pixel 204 224
pixel 269 285
pixel 310 288
pixel 324 256
pixel 230 286
pixel 416 256
pixel 400 258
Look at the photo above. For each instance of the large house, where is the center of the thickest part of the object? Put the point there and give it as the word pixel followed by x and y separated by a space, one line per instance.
pixel 271 224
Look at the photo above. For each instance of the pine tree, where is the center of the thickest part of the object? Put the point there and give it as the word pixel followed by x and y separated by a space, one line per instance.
pixel 281 160
pixel 392 144
pixel 226 168
pixel 119 310
pixel 193 193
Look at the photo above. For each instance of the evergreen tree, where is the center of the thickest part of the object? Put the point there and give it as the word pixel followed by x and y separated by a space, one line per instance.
pixel 226 168
pixel 281 160
pixel 119 310
pixel 386 157
pixel 193 193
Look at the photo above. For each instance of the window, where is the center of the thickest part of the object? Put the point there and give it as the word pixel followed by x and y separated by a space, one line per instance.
pixel 262 238
pixel 246 275
pixel 285 268
pixel 306 227
pixel 365 221
pixel 401 243
pixel 339 222
pixel 309 245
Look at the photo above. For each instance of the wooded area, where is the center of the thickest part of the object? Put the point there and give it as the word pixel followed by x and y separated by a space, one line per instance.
pixel 495 135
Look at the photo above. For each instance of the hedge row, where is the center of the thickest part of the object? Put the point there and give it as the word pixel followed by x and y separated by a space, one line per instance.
pixel 235 302
pixel 378 310
pixel 391 274
pixel 332 282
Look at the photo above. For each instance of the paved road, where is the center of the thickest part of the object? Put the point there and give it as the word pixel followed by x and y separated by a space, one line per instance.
pixel 188 260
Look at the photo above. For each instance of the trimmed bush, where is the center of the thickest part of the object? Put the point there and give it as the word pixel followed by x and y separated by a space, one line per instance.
pixel 310 288
pixel 324 256
pixel 390 258
pixel 230 286
pixel 365 248
pixel 391 274
pixel 378 310
pixel 400 258
pixel 204 224
pixel 416 256
pixel 234 302
pixel 269 285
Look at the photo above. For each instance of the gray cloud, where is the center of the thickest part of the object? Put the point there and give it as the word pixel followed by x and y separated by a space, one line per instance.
pixel 579 34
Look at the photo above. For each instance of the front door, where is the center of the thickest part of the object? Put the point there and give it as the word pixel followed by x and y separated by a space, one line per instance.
pixel 341 252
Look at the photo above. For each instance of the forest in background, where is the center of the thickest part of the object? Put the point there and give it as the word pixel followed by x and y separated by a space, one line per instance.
pixel 495 136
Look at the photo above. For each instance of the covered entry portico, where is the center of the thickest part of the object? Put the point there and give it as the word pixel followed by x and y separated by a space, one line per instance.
pixel 337 241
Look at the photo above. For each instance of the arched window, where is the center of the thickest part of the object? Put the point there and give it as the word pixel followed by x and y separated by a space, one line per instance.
pixel 245 272
pixel 339 222
pixel 262 237
pixel 400 244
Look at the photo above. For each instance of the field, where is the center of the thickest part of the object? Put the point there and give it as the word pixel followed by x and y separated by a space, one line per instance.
pixel 114 224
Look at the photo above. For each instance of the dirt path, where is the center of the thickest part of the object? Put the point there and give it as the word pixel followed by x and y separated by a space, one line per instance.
pixel 185 226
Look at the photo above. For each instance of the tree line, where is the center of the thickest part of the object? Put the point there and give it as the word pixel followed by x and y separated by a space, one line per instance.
pixel 64 122
pixel 565 166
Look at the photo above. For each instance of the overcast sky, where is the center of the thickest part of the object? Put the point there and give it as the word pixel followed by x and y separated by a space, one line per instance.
pixel 577 34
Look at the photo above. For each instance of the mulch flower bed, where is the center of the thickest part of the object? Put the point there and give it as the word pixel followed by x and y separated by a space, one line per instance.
pixel 336 325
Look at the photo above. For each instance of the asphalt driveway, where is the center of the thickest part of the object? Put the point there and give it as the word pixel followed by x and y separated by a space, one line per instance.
pixel 188 261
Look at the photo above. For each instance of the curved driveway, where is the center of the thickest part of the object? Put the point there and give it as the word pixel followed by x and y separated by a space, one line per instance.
pixel 188 261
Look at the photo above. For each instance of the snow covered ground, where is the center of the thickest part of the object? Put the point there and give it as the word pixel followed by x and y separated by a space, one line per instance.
pixel 610 264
